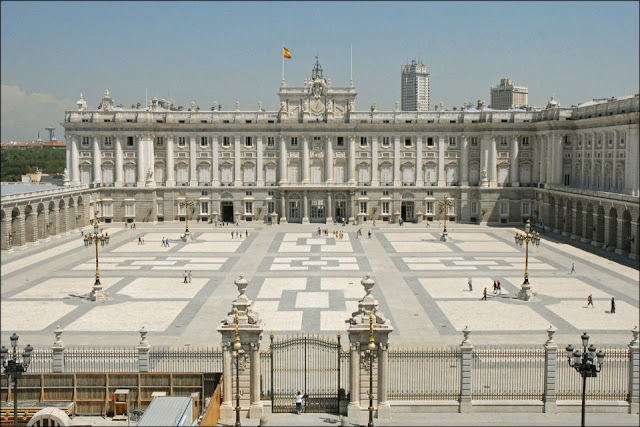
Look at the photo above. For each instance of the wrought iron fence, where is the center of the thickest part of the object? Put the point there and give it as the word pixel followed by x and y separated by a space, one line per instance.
pixel 185 359
pixel 101 359
pixel 508 373
pixel 265 375
pixel 612 383
pixel 41 361
pixel 424 374
pixel 345 369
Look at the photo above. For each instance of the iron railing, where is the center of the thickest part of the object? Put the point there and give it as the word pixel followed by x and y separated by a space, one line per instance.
pixel 41 361
pixel 424 374
pixel 101 359
pixel 185 359
pixel 612 383
pixel 508 373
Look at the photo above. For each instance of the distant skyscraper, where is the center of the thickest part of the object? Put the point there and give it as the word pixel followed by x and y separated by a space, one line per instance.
pixel 415 87
pixel 507 96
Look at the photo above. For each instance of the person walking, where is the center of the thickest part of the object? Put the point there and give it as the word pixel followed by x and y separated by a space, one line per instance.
pixel 495 287
pixel 167 242
pixel 299 402
pixel 470 285
pixel 163 242
pixel 369 234
pixel 573 268
pixel 318 231
pixel 613 305
pixel 232 234
pixel 185 276
pixel 190 276
pixel 484 295
pixel 499 288
pixel 246 233
pixel 590 301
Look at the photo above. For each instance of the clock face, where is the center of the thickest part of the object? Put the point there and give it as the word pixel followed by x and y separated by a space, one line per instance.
pixel 317 106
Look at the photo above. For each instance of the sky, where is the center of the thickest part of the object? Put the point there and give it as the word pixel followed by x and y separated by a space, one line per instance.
pixel 231 52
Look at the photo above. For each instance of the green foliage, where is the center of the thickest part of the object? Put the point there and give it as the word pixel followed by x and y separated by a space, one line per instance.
pixel 15 162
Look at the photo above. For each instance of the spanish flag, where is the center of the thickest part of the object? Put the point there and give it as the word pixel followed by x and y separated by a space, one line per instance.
pixel 286 53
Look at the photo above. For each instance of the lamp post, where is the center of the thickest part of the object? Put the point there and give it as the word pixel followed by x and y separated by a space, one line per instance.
pixel 95 238
pixel 372 347
pixel 444 205
pixel 187 204
pixel 237 346
pixel 526 237
pixel 14 369
pixel 584 363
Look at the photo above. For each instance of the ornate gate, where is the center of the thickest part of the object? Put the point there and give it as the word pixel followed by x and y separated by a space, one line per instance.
pixel 308 364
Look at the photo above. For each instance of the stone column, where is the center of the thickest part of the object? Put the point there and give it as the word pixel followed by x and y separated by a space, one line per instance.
pixel 329 212
pixel 75 161
pixel 119 172
pixel 283 165
pixel 550 373
pixel 492 172
pixel 193 160
pixel 215 167
pixel 67 164
pixel 465 373
pixel 5 230
pixel 141 161
pixel 442 179
pixel 535 169
pixel 352 203
pixel 574 226
pixel 419 162
pixel 620 238
pixel 464 167
pixel 607 228
pixel 58 351
pixel 33 220
pixel 328 161
pixel 584 232
pixel 305 160
pixel 396 162
pixel 375 174
pixel 565 227
pixel 20 236
pixel 484 160
pixel 97 162
pixel 352 159
pixel 305 207
pixel 170 180
pixel 283 206
pixel 513 162
pixel 634 242
pixel 631 152
pixel 259 163
pixel 242 325
pixel 151 161
pixel 143 351
pixel 542 155
pixel 634 373
pixel 55 224
pixel 366 323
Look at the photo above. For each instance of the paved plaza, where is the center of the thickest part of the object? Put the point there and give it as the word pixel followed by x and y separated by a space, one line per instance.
pixel 307 283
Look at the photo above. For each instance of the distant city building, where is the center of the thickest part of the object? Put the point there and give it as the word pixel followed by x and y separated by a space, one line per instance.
pixel 507 96
pixel 416 90
pixel 33 145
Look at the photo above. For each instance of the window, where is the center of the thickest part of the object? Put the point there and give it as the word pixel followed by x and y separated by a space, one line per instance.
pixel 385 141
pixel 526 209
pixel 85 141
pixel 248 174
pixel 271 142
pixel 204 193
pixel 385 174
pixel 385 193
pixel 248 193
pixel 129 141
pixel 227 175
pixel 567 141
pixel 107 174
pixel 525 141
pixel 130 209
pixel 85 120
pixel 429 193
pixel 567 179
pixel 160 141
pixel 363 141
pixel 247 121
pixel 182 175
pixel 363 174
pixel 452 141
pixel 316 174
pixel 294 141
pixel 182 210
pixel 474 141
pixel 248 142
pixel 385 208
pixel 271 174
pixel 108 141
pixel 271 207
pixel 130 174
pixel 363 193
pixel 226 141
pixel 430 141
pixel 293 174
pixel 204 141
pixel 248 207
pixel 203 174
pixel 503 141
pixel 474 208
pixel 271 193
pixel 340 174
pixel 407 174
pixel 182 141
pixel 430 208
pixel 504 209
pixel 407 142
pixel 340 141
pixel 363 207
pixel 204 208
pixel 107 209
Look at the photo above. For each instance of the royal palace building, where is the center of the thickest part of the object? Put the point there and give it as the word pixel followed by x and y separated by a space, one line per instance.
pixel 317 159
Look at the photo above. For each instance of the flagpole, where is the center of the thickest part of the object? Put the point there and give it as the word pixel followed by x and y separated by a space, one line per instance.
pixel 282 53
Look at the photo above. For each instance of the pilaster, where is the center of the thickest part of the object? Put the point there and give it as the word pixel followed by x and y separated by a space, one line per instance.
pixel 464 166
pixel 375 174
pixel 305 207
pixel 514 162
pixel 193 161
pixel 140 161
pixel 170 180
pixel 329 161
pixel 283 166
pixel 259 163
pixel 305 160
pixel 97 161
pixel 396 162
pixel 119 167
pixel 620 238
pixel 442 179
pixel 352 160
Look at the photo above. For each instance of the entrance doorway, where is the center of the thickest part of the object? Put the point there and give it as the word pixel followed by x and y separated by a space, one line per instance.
pixel 406 212
pixel 226 211
pixel 317 211
pixel 341 209
pixel 294 211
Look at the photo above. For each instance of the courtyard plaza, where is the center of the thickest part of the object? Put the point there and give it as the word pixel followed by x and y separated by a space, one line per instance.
pixel 305 283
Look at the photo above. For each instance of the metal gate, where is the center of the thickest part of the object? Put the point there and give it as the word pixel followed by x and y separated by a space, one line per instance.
pixel 308 364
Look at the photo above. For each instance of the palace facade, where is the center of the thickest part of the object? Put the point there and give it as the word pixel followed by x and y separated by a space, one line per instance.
pixel 571 170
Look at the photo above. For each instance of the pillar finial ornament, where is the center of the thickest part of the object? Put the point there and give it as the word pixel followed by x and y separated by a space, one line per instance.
pixel 634 331
pixel 58 333
pixel 550 331
pixel 466 331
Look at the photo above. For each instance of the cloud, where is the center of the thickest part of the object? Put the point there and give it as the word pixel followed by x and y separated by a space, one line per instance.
pixel 25 114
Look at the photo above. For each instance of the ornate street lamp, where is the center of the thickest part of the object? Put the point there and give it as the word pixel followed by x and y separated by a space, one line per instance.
pixel 371 352
pixel 187 204
pixel 13 369
pixel 95 238
pixel 444 205
pixel 526 237
pixel 584 363
pixel 237 346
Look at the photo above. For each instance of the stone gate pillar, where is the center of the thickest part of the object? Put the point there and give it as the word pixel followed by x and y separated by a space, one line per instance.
pixel 634 373
pixel 242 325
pixel 58 351
pixel 368 325
pixel 550 373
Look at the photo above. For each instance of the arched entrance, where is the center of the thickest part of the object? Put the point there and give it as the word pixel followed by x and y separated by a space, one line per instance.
pixel 568 219
pixel 226 207
pixel 612 238
pixel 626 232
pixel 340 206
pixel 15 235
pixel 598 238
pixel 3 230
pixel 552 213
pixel 589 229
pixel 30 224
pixel 80 213
pixel 41 226
pixel 294 208
pixel 578 226
pixel 407 208
pixel 317 208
